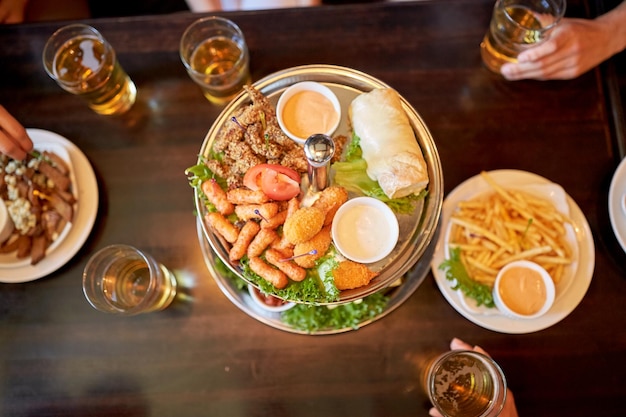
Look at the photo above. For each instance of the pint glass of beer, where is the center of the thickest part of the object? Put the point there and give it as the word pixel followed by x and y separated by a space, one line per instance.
pixel 124 280
pixel 82 62
pixel 517 25
pixel 465 383
pixel 215 54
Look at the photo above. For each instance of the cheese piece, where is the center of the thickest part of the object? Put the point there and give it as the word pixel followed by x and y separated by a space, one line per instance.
pixel 388 142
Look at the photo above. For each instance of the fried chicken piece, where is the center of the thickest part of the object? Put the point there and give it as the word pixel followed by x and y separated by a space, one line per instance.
pixel 252 137
pixel 303 224
pixel 319 243
pixel 349 275
pixel 330 200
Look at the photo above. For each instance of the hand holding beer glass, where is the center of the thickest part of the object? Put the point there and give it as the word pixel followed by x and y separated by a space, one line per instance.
pixel 82 62
pixel 214 52
pixel 517 25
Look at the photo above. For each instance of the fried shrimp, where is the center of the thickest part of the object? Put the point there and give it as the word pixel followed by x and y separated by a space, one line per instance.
pixel 329 202
pixel 303 224
pixel 349 275
pixel 319 244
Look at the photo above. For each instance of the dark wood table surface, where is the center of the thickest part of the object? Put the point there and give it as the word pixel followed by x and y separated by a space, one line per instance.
pixel 204 356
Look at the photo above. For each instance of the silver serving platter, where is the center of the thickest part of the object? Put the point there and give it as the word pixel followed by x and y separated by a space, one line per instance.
pixel 416 230
pixel 242 299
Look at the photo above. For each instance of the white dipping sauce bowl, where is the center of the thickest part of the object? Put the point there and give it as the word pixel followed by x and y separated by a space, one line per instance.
pixel 6 224
pixel 546 279
pixel 298 88
pixel 365 230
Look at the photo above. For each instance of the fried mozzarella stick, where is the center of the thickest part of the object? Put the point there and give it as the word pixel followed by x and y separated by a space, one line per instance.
pixel 240 247
pixel 290 268
pixel 217 197
pixel 222 226
pixel 272 275
pixel 256 211
pixel 261 241
pixel 246 196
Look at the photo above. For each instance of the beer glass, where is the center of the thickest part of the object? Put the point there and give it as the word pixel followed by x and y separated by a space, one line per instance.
pixel 122 279
pixel 465 383
pixel 517 25
pixel 82 62
pixel 214 52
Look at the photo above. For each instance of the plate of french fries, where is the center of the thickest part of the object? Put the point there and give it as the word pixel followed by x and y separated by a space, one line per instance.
pixel 498 217
pixel 75 204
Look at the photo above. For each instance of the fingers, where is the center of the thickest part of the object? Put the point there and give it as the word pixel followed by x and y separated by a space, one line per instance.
pixel 457 344
pixel 14 140
pixel 433 412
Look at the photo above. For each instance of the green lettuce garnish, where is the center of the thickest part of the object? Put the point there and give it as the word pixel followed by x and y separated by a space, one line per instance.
pixel 310 318
pixel 317 287
pixel 455 271
pixel 352 175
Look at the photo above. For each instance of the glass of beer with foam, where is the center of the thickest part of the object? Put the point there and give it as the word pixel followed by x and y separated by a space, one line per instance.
pixel 82 62
pixel 517 25
pixel 215 54
pixel 465 383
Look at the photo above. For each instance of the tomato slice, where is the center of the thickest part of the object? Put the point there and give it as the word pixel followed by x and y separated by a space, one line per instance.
pixel 276 181
pixel 279 186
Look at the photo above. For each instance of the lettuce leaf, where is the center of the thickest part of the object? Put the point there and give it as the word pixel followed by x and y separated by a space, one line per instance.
pixel 315 318
pixel 455 271
pixel 352 175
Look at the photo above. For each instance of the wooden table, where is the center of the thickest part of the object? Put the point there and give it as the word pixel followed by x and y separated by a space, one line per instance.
pixel 203 356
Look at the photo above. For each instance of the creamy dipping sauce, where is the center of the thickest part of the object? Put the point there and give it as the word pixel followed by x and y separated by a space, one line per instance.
pixel 363 232
pixel 309 112
pixel 522 290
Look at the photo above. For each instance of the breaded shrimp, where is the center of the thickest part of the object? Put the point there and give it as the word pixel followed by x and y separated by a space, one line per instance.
pixel 303 224
pixel 272 275
pixel 330 200
pixel 349 275
pixel 319 243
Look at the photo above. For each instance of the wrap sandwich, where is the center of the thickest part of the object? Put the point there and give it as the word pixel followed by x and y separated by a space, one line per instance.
pixel 388 142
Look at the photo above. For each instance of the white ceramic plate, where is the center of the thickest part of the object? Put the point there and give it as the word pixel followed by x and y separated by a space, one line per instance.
pixel 73 236
pixel 574 284
pixel 617 207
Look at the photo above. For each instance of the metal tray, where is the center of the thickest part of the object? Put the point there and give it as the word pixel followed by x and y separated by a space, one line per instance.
pixel 416 229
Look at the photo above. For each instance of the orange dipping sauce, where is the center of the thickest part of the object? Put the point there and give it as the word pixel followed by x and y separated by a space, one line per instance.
pixel 309 112
pixel 522 290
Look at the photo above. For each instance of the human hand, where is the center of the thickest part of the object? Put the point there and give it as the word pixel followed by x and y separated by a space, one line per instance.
pixel 14 140
pixel 509 409
pixel 12 11
pixel 573 48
